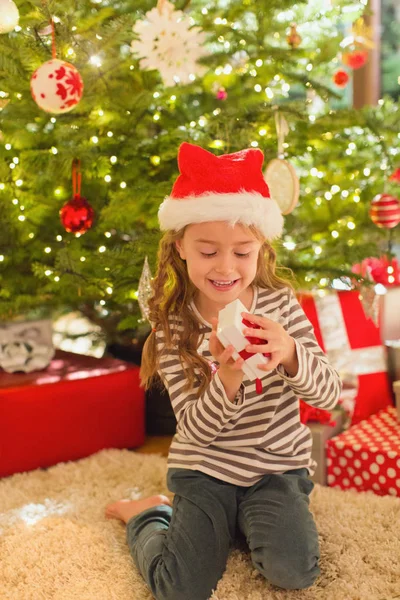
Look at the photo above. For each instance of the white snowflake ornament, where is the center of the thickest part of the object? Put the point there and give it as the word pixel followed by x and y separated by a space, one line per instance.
pixel 167 42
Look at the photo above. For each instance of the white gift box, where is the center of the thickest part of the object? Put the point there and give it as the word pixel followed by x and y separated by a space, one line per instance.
pixel 230 332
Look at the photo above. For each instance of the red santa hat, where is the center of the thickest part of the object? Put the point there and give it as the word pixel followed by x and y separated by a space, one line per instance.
pixel 228 188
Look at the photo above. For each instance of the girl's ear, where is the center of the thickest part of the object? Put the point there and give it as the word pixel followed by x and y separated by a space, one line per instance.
pixel 179 247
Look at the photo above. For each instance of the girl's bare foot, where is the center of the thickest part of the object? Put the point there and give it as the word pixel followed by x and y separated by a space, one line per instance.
pixel 126 509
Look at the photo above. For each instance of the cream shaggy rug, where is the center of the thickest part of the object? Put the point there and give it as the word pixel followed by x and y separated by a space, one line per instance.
pixel 55 542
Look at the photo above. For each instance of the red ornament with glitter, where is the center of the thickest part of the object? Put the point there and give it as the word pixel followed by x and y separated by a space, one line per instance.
pixel 341 78
pixel 77 215
pixel 385 211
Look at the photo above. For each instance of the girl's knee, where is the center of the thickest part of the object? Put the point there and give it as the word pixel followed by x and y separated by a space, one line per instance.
pixel 289 574
pixel 184 585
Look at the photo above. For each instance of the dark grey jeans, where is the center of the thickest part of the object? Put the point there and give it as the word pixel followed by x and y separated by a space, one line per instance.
pixel 181 552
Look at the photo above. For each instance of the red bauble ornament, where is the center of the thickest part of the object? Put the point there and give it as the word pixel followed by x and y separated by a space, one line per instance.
pixel 77 215
pixel 385 211
pixel 222 94
pixel 356 58
pixel 341 78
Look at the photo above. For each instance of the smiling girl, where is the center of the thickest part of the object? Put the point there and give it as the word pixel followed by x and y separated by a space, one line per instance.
pixel 240 460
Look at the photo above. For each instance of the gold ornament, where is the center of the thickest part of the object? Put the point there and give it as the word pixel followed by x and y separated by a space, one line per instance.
pixel 145 290
pixel 279 174
pixel 294 38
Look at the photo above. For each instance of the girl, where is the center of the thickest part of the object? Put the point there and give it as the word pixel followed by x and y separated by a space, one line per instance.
pixel 240 460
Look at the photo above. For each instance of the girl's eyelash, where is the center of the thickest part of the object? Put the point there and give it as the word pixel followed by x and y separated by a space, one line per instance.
pixel 214 253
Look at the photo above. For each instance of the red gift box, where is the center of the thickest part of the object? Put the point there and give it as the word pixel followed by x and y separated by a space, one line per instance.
pixel 353 345
pixel 367 456
pixel 73 408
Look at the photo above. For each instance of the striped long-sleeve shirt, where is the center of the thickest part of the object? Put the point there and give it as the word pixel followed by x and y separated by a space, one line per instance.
pixel 241 441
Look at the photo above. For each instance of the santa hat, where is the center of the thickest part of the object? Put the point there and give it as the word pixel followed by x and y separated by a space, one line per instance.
pixel 228 188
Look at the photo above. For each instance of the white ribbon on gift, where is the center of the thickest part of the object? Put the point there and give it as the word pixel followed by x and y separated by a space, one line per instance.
pixel 350 363
pixel 359 361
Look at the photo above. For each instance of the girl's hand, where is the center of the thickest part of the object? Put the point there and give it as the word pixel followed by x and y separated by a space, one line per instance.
pixel 278 343
pixel 221 354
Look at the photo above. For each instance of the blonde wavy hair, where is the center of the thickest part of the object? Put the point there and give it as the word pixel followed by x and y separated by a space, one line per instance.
pixel 173 293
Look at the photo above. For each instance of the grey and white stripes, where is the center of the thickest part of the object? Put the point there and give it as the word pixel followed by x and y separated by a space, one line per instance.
pixel 241 441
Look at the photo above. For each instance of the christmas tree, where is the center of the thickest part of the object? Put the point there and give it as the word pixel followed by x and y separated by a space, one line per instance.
pixel 225 75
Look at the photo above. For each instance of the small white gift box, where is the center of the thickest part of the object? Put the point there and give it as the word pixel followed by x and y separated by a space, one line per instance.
pixel 230 332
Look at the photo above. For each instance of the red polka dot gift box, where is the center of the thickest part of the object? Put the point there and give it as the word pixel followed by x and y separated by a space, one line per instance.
pixel 367 456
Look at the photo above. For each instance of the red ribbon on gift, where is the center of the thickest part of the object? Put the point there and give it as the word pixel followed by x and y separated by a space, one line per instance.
pixel 317 415
pixel 254 340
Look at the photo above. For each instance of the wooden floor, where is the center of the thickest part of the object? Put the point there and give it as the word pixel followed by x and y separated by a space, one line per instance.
pixel 156 444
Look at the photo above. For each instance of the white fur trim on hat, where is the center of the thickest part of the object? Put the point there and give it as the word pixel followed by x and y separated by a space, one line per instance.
pixel 249 208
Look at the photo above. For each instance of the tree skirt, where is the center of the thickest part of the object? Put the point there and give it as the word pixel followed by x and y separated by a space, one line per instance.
pixel 55 542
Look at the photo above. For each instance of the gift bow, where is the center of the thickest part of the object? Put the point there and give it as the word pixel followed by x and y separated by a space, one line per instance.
pixel 253 340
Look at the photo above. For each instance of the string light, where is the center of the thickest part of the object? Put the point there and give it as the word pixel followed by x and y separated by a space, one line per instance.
pixel 335 234
pixel 82 259
pixel 94 139
pixel 107 178
pixel 1 257
pixel 59 238
pixel 113 159
pixel 289 245
pixel 107 234
pixel 95 60
pixel 109 290
pixel 56 279
pixel 102 302
pixel 123 184
pixel 21 218
pixel 47 250
pixel 102 249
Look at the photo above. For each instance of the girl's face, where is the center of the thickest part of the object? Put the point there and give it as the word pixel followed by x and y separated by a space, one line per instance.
pixel 221 260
